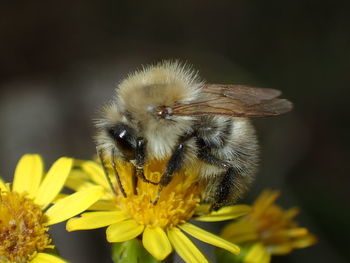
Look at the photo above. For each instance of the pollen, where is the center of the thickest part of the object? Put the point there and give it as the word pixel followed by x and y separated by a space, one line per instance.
pixel 23 232
pixel 177 201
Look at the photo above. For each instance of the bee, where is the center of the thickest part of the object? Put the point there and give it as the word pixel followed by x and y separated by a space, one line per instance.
pixel 165 112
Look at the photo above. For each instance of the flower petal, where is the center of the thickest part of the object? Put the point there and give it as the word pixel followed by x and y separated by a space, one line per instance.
pixel 53 182
pixel 28 174
pixel 47 258
pixel 77 180
pixel 295 232
pixel 184 247
pixel 225 213
pixel 264 201
pixel 103 205
pixel 3 185
pixel 291 212
pixel 156 242
pixel 240 231
pixel 266 258
pixel 305 241
pixel 280 249
pixel 96 173
pixel 210 238
pixel 59 197
pixel 257 254
pixel 124 231
pixel 92 220
pixel 73 204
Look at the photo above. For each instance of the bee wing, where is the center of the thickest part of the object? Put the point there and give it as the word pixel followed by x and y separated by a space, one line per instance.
pixel 236 101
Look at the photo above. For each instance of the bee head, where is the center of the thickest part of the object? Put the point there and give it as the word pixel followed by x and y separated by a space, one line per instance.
pixel 149 95
pixel 163 112
pixel 143 108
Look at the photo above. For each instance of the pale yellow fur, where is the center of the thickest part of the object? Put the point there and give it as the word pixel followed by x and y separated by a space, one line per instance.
pixel 167 84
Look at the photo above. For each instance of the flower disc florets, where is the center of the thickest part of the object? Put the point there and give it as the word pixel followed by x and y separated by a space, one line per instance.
pixel 22 228
pixel 158 215
pixel 176 203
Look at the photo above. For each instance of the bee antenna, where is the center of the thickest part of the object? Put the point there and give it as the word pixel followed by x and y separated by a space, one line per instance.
pixel 100 155
pixel 114 165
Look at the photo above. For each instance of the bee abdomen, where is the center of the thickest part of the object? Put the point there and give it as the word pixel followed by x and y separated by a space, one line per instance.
pixel 214 131
pixel 228 168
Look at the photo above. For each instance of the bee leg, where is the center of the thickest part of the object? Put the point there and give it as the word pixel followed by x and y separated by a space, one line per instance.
pixel 114 165
pixel 102 160
pixel 225 188
pixel 140 160
pixel 174 164
pixel 160 189
pixel 134 182
pixel 229 183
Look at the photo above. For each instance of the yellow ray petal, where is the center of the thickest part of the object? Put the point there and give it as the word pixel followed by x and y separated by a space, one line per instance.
pixel 53 182
pixel 295 232
pixel 92 220
pixel 257 254
pixel 184 247
pixel 96 173
pixel 210 238
pixel 156 242
pixel 280 249
pixel 73 204
pixel 291 212
pixel 264 201
pixel 304 241
pixel 47 258
pixel 124 231
pixel 77 180
pixel 240 231
pixel 225 213
pixel 103 205
pixel 59 197
pixel 266 258
pixel 3 185
pixel 242 237
pixel 28 174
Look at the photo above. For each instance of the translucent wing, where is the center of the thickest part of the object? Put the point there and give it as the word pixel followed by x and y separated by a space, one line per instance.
pixel 236 101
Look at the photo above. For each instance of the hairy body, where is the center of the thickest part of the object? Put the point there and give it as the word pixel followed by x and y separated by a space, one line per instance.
pixel 165 112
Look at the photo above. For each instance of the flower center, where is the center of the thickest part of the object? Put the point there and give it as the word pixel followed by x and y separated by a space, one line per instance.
pixel 22 228
pixel 177 201
pixel 272 226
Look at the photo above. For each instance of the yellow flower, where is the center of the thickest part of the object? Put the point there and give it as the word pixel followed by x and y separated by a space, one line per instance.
pixel 162 225
pixel 268 230
pixel 26 214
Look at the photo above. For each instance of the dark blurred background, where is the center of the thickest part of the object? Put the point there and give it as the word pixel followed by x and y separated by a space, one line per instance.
pixel 61 60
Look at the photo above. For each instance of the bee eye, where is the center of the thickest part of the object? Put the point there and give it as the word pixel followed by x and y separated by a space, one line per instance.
pixel 124 138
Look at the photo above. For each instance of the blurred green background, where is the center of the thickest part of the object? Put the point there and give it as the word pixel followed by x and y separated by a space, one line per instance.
pixel 61 60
